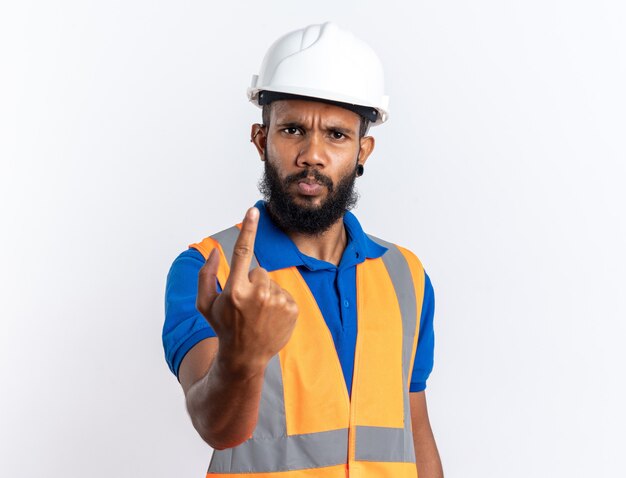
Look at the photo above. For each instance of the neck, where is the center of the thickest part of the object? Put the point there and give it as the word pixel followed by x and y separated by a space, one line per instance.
pixel 328 246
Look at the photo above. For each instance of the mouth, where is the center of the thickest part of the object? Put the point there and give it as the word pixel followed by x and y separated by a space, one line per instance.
pixel 309 187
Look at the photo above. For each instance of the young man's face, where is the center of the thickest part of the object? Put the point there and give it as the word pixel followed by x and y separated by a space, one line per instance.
pixel 311 150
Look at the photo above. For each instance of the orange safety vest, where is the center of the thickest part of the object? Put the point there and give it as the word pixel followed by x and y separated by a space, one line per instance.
pixel 308 426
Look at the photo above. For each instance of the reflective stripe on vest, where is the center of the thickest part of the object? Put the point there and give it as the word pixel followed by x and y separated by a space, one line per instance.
pixel 307 424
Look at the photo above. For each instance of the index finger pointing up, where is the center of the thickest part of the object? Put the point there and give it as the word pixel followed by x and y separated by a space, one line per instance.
pixel 244 247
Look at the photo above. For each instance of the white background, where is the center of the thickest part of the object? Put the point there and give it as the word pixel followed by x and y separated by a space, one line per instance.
pixel 124 137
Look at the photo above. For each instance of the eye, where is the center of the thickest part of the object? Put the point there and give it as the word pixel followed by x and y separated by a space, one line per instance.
pixel 337 135
pixel 292 130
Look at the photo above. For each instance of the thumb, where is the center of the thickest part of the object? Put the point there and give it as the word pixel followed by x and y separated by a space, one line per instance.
pixel 207 282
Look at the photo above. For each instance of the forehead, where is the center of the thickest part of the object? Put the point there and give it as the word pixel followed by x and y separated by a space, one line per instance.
pixel 308 111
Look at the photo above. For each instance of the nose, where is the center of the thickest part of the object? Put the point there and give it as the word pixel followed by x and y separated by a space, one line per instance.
pixel 312 153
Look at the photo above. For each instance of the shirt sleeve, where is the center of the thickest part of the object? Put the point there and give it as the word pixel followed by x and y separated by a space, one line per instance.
pixel 423 364
pixel 184 326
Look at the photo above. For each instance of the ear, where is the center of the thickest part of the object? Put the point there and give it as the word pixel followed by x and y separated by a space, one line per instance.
pixel 367 146
pixel 258 136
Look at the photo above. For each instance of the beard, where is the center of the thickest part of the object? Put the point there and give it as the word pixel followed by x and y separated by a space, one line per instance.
pixel 310 220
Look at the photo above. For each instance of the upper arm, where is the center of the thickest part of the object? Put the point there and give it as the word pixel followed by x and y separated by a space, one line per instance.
pixel 419 410
pixel 184 326
pixel 427 457
pixel 424 354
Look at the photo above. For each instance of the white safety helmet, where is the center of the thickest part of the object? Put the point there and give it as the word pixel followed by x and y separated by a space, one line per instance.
pixel 323 62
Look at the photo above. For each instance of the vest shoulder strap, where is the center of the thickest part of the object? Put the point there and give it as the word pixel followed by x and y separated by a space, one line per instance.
pixel 409 279
pixel 224 241
pixel 397 253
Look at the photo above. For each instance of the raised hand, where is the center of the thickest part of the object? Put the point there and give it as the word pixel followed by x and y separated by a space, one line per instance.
pixel 253 316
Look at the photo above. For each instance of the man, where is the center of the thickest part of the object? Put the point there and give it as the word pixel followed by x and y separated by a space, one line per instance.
pixel 302 344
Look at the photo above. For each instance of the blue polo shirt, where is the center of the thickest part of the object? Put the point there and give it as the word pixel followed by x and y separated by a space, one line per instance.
pixel 334 289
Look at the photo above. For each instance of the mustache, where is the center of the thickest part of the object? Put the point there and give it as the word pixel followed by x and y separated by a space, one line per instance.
pixel 310 173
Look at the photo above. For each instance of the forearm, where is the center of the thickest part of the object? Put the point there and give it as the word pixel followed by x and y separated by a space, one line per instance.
pixel 253 318
pixel 426 453
pixel 224 404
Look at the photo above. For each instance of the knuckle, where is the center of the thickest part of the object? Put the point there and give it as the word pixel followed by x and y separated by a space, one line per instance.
pixel 242 250
pixel 234 296
pixel 281 300
pixel 292 309
pixel 257 273
pixel 262 295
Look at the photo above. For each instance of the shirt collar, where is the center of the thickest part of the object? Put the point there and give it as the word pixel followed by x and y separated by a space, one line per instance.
pixel 275 250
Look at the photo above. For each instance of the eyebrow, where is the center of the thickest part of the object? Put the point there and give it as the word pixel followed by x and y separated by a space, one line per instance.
pixel 289 124
pixel 298 124
pixel 340 129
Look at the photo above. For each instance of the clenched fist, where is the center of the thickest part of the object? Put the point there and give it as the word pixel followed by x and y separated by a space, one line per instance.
pixel 253 316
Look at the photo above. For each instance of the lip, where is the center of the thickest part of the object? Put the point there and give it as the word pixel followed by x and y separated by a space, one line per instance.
pixel 309 187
